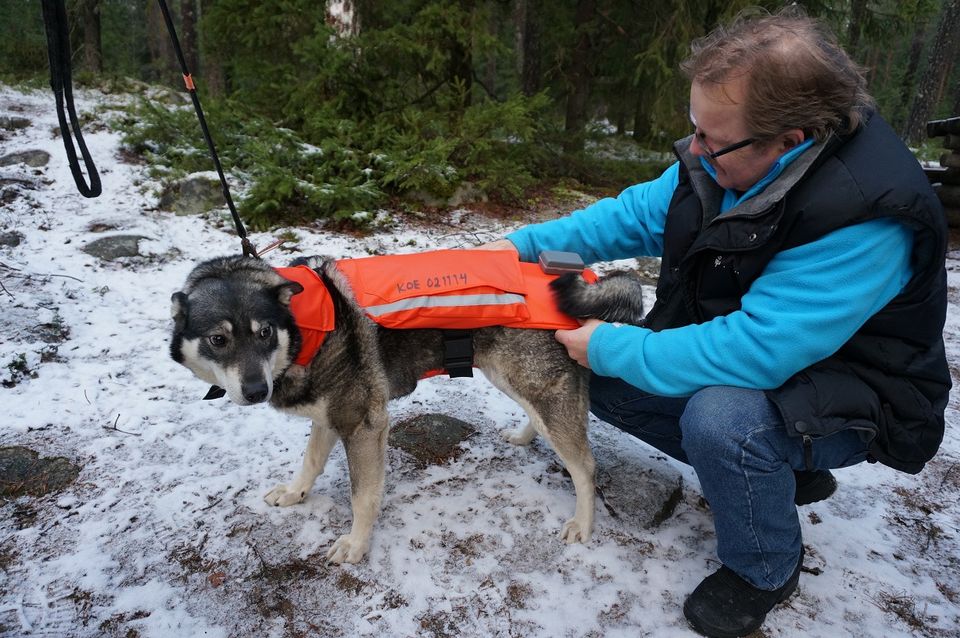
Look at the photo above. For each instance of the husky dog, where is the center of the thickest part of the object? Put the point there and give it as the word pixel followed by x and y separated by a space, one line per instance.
pixel 233 328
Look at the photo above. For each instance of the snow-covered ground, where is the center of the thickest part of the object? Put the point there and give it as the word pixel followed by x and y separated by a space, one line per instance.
pixel 165 533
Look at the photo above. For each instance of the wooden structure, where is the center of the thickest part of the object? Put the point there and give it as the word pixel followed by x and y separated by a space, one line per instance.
pixel 946 177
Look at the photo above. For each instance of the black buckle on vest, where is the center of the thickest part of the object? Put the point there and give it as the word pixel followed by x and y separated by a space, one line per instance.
pixel 458 353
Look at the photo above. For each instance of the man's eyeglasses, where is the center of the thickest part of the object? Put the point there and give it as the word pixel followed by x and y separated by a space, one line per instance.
pixel 712 154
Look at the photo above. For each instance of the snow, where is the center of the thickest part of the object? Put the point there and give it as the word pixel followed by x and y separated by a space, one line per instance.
pixel 165 532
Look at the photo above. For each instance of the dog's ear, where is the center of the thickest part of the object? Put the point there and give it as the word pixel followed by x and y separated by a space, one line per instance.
pixel 178 310
pixel 287 290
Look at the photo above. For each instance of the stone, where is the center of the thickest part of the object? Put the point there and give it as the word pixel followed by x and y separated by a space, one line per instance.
pixel 24 472
pixel 192 195
pixel 35 159
pixel 634 483
pixel 431 439
pixel 114 247
pixel 13 123
pixel 11 239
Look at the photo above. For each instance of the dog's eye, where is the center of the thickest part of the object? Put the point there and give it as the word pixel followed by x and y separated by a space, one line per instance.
pixel 217 341
pixel 266 332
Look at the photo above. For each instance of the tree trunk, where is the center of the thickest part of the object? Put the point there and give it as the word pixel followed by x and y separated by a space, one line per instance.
pixel 913 62
pixel 580 77
pixel 211 62
pixel 932 81
pixel 90 25
pixel 641 116
pixel 163 62
pixel 872 63
pixel 955 111
pixel 344 17
pixel 490 72
pixel 188 35
pixel 858 12
pixel 461 70
pixel 529 29
pixel 619 109
pixel 711 15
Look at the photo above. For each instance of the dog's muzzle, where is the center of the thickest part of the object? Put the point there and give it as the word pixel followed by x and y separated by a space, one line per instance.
pixel 255 392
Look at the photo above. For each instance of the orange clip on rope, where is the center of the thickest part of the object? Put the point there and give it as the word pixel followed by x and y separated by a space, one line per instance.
pixel 188 81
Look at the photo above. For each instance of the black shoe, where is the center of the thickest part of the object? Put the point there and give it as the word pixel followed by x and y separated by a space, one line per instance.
pixel 813 486
pixel 726 606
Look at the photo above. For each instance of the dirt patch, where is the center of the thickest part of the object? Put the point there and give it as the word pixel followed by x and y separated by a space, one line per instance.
pixel 518 594
pixel 906 608
pixel 8 555
pixel 351 584
pixel 24 472
pixel 115 626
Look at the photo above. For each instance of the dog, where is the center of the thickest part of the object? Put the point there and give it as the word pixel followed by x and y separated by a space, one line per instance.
pixel 232 327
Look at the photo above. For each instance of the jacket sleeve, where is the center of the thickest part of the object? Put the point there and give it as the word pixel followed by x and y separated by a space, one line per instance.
pixel 612 228
pixel 807 303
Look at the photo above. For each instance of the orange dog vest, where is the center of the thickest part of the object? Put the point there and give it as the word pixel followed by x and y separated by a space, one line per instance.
pixel 441 289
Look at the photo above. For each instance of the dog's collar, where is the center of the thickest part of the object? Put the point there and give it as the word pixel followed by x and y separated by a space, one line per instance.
pixel 312 311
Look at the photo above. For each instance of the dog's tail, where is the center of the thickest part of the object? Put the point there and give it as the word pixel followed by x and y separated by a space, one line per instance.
pixel 616 297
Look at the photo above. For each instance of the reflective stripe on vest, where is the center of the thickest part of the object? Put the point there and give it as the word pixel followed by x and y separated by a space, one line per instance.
pixel 445 301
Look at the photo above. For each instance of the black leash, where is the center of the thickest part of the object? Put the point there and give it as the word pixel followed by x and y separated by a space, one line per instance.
pixel 58 50
pixel 248 249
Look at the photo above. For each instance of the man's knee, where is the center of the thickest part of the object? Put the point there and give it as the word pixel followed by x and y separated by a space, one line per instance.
pixel 722 416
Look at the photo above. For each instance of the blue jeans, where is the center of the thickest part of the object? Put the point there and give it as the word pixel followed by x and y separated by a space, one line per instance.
pixel 736 442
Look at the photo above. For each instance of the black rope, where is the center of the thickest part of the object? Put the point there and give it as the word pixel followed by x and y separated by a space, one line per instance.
pixel 248 249
pixel 58 51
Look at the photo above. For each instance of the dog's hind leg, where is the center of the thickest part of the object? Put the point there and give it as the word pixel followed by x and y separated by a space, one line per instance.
pixel 366 459
pixel 522 436
pixel 322 439
pixel 578 459
pixel 558 412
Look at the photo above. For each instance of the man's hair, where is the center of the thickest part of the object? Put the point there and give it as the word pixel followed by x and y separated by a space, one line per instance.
pixel 798 75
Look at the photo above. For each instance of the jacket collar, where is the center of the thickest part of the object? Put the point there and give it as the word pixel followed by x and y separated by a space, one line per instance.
pixel 711 194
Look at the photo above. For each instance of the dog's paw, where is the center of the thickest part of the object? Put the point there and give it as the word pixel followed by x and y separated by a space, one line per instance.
pixel 574 532
pixel 347 549
pixel 520 436
pixel 285 495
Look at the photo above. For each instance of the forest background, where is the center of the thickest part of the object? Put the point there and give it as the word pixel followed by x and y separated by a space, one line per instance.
pixel 342 108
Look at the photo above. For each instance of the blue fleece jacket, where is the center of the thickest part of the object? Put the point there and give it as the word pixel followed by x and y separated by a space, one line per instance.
pixel 805 305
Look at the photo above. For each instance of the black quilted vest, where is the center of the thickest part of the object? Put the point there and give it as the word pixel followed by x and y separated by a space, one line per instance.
pixel 890 380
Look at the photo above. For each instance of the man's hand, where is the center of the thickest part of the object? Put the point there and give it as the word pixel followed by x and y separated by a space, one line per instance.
pixel 575 341
pixel 500 244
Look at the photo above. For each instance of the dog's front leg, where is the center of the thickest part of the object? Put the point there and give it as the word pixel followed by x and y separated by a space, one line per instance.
pixel 366 459
pixel 322 439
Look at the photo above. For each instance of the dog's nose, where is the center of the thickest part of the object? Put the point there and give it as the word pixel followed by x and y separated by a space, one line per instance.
pixel 255 392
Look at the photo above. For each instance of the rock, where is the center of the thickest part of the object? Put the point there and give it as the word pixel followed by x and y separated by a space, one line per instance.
pixel 632 489
pixel 23 471
pixel 35 159
pixel 115 247
pixel 192 195
pixel 100 227
pixel 463 194
pixel 11 239
pixel 13 123
pixel 431 439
